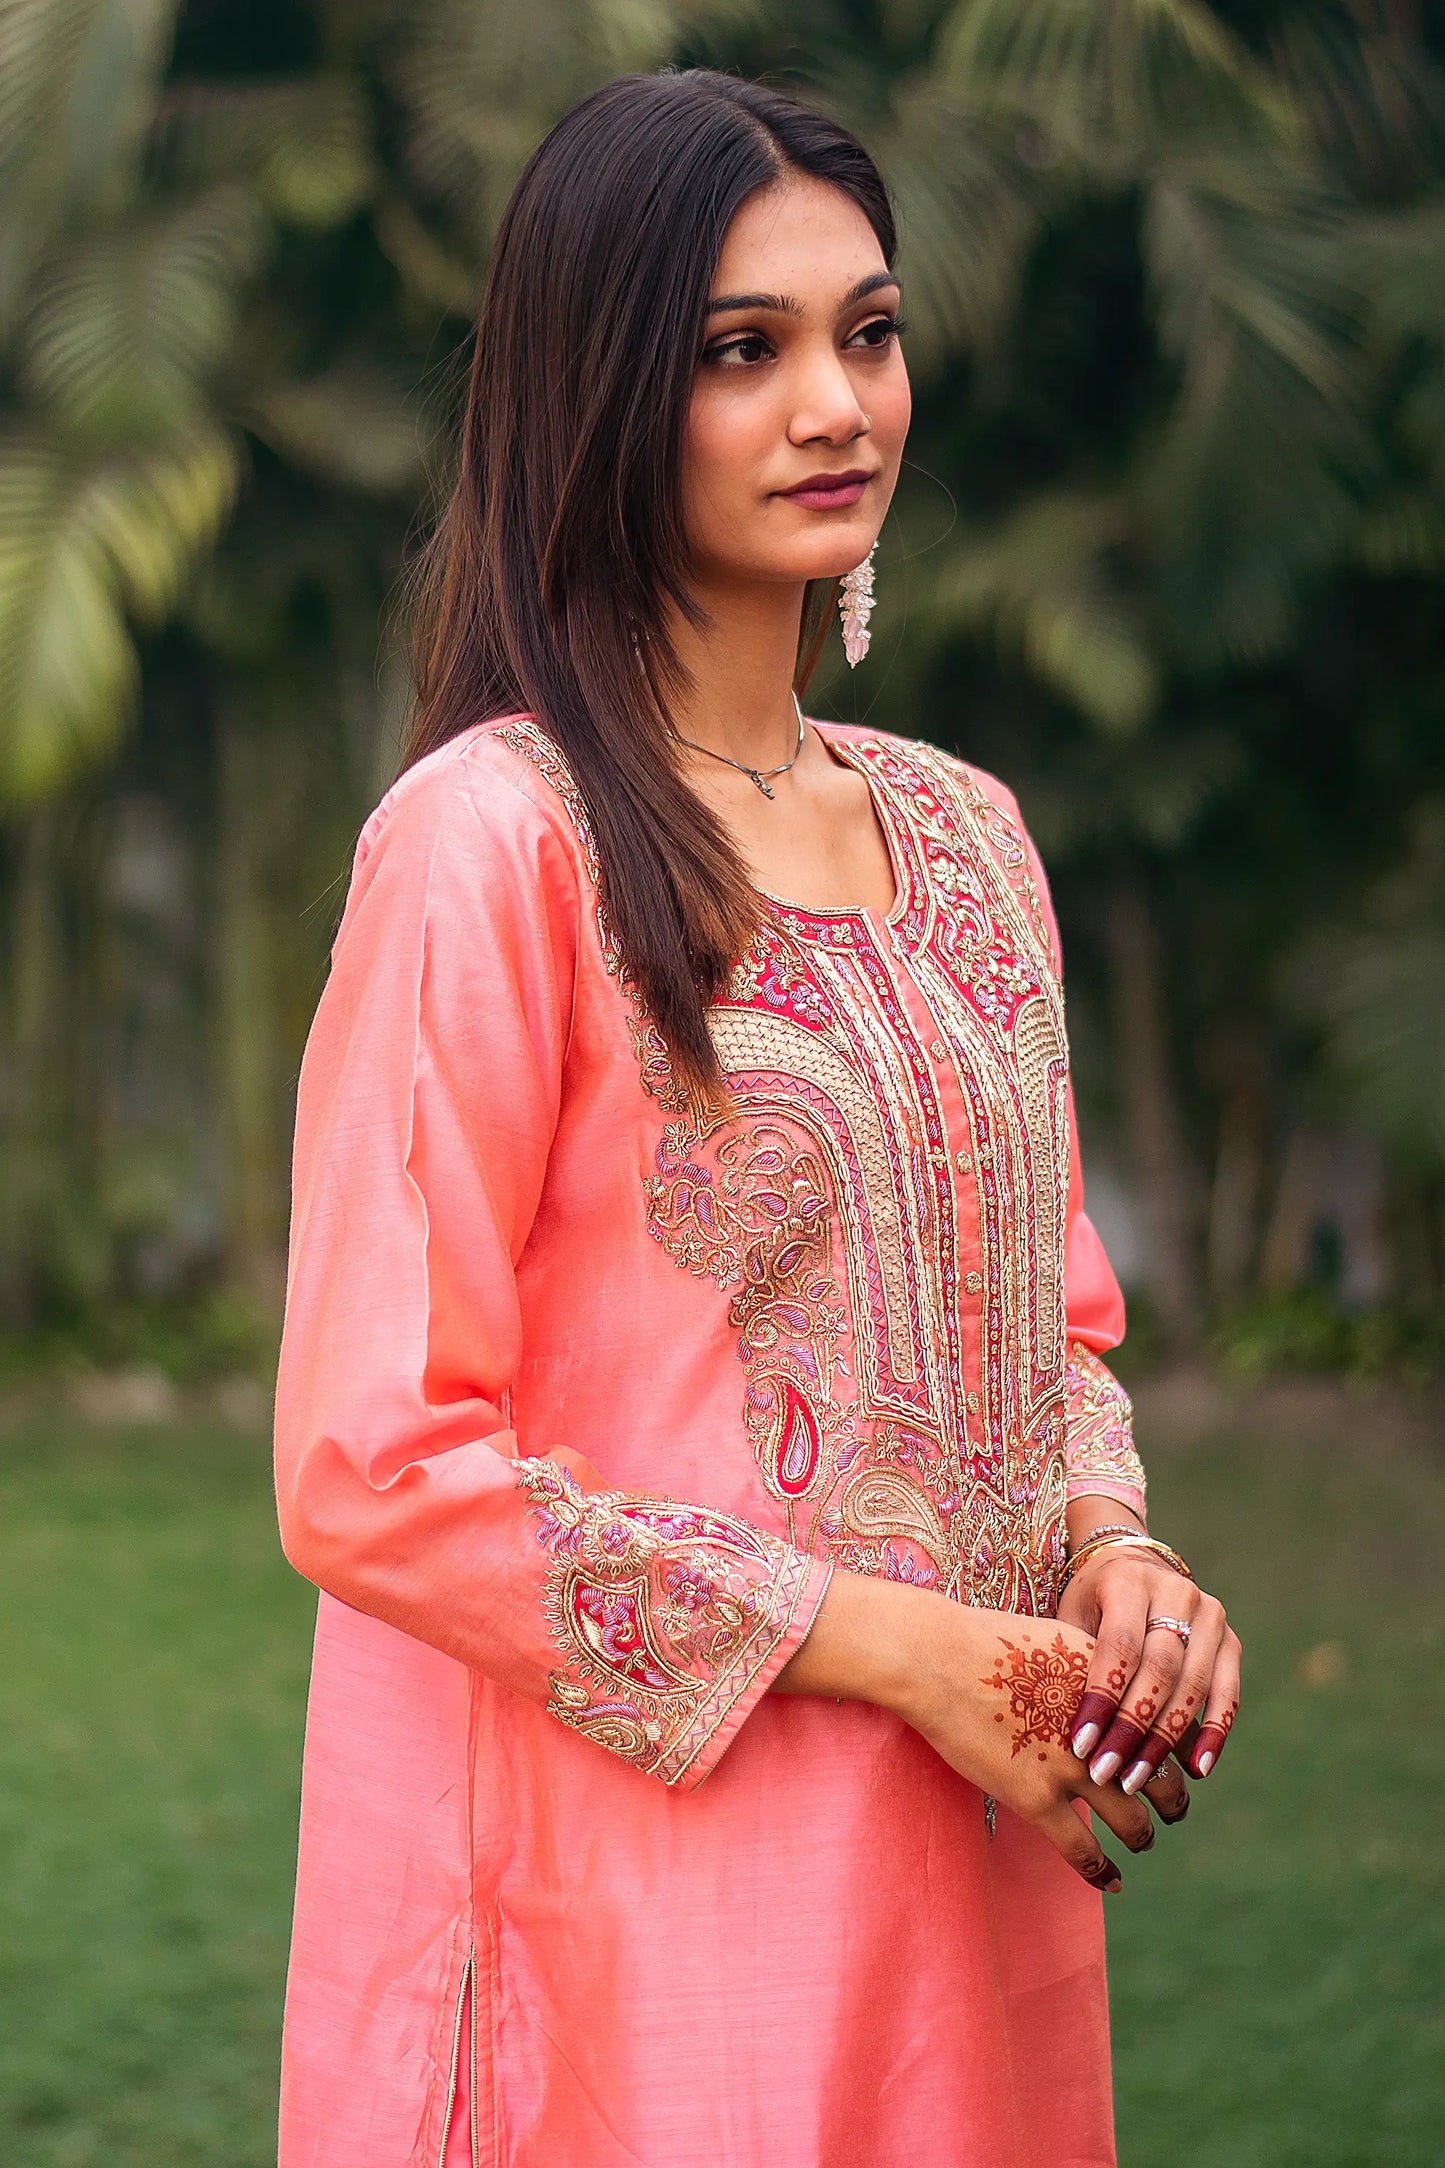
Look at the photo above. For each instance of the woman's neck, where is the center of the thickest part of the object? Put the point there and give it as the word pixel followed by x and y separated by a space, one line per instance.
pixel 740 664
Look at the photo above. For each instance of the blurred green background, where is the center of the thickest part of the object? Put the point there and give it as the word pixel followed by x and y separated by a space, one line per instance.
pixel 1168 555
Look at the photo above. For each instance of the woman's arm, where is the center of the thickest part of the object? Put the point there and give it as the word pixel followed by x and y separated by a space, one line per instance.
pixel 1152 1691
pixel 429 1098
pixel 993 1693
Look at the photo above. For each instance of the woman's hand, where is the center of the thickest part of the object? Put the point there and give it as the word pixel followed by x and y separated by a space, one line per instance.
pixel 995 1694
pixel 1150 1691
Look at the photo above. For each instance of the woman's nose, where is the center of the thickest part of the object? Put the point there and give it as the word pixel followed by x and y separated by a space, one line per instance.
pixel 825 403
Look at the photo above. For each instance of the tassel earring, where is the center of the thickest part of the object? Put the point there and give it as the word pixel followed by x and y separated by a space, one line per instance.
pixel 855 607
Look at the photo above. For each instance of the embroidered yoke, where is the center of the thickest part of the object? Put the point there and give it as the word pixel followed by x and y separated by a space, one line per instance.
pixel 582 1397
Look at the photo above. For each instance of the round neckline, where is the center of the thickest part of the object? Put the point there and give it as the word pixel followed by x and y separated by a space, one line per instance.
pixel 837 749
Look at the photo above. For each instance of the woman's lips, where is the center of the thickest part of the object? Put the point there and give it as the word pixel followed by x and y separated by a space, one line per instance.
pixel 828 492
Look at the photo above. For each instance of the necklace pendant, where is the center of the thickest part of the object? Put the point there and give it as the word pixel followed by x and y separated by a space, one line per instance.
pixel 762 786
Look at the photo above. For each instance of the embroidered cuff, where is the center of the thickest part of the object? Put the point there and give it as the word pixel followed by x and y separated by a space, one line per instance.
pixel 1100 1451
pixel 672 1619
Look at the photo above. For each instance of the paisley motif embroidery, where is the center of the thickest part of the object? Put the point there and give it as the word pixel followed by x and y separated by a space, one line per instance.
pixel 1101 1455
pixel 829 1205
pixel 527 738
pixel 899 1102
pixel 664 1614
pixel 752 1212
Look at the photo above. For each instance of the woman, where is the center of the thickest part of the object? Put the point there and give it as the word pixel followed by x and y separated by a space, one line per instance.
pixel 691 1366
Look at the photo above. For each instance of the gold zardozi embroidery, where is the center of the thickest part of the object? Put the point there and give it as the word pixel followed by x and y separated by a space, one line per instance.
pixel 849 1052
pixel 899 1100
pixel 527 738
pixel 664 1612
pixel 1101 1428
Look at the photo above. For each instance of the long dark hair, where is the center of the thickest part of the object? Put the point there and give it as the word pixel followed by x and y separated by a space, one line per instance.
pixel 548 575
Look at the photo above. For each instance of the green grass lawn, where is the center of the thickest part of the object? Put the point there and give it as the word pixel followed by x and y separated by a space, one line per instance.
pixel 1279 1962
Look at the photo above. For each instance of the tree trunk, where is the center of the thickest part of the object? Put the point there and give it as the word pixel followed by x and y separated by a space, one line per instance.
pixel 1237 1188
pixel 34 1099
pixel 1155 1129
pixel 245 995
pixel 1284 1256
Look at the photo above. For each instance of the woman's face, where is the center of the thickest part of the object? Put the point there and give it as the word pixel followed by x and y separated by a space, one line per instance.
pixel 801 382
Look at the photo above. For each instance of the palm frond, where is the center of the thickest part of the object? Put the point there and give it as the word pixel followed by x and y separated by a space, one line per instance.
pixel 1376 987
pixel 78 547
pixel 354 423
pixel 127 323
pixel 1151 789
pixel 1369 95
pixel 1403 533
pixel 1115 78
pixel 303 145
pixel 77 86
pixel 972 193
pixel 77 89
pixel 1400 264
pixel 1039 588
pixel 1257 476
pixel 481 80
pixel 432 270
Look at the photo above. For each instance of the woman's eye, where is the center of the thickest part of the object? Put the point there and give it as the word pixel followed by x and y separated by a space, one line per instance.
pixel 746 347
pixel 879 331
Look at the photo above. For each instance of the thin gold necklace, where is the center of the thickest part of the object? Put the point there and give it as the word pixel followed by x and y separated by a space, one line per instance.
pixel 759 775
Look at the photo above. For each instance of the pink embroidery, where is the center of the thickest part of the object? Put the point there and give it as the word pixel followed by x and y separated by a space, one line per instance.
pixel 908 1417
pixel 1101 1426
pixel 829 1207
pixel 664 1613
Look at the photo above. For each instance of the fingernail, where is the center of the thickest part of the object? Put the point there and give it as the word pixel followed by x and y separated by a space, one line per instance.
pixel 1112 1889
pixel 1205 1763
pixel 1086 1738
pixel 1105 1767
pixel 1137 1773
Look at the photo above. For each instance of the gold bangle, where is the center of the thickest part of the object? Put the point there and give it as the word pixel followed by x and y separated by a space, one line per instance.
pixel 1097 1537
pixel 1108 1527
pixel 1127 1539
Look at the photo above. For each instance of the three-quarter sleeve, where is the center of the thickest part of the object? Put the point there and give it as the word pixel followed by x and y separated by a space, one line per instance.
pixel 1099 1447
pixel 429 1095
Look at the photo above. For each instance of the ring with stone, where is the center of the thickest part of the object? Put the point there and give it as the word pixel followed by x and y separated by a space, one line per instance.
pixel 1180 1626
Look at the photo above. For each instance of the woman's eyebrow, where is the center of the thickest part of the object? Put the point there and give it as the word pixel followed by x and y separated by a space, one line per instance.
pixel 784 305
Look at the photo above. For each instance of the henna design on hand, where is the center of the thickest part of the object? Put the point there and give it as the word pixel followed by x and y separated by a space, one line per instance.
pixel 1043 1688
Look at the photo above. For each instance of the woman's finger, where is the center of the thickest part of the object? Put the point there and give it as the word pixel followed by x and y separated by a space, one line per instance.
pixel 1220 1709
pixel 1150 1692
pixel 1167 1792
pixel 1172 1721
pixel 1128 1818
pixel 1118 1646
pixel 1071 1835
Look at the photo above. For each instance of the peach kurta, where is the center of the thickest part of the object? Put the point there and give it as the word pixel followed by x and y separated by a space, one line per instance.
pixel 582 1397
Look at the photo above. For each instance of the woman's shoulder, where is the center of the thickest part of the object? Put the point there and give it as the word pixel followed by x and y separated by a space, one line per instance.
pixel 902 758
pixel 474 830
pixel 489 784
